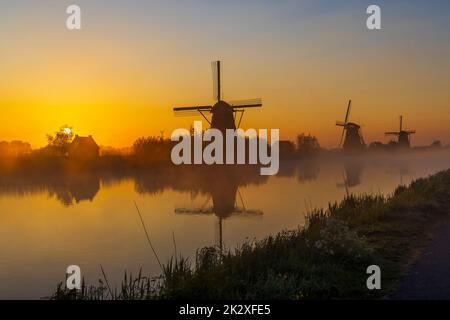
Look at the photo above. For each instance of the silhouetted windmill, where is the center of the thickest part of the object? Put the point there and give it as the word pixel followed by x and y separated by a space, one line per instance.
pixel 353 139
pixel 404 139
pixel 224 205
pixel 224 114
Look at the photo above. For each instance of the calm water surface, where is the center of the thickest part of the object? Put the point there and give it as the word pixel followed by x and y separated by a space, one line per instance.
pixel 49 223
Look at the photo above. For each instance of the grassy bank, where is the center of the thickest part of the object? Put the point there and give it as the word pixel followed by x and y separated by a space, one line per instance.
pixel 325 259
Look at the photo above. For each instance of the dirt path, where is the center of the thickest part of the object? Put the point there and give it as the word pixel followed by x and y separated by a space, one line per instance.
pixel 429 278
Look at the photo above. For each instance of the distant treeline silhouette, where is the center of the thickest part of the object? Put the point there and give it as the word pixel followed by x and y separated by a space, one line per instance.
pixel 14 148
pixel 67 150
pixel 152 149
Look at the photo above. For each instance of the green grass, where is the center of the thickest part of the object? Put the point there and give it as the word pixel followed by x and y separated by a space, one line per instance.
pixel 326 259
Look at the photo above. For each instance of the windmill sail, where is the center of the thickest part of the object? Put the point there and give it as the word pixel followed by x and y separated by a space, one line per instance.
pixel 349 108
pixel 216 73
pixel 351 137
pixel 202 108
pixel 345 122
pixel 342 136
pixel 248 103
pixel 190 111
pixel 223 113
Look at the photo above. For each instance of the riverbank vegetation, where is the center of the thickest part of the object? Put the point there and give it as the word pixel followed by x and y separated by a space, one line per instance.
pixel 326 259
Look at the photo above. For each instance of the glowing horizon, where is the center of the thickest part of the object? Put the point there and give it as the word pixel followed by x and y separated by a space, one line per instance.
pixel 119 77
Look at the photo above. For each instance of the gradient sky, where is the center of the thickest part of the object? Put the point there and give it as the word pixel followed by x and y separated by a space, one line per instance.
pixel 119 77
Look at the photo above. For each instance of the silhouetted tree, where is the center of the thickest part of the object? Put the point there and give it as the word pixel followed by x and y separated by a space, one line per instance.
pixel 287 149
pixel 307 144
pixel 377 146
pixel 152 149
pixel 59 142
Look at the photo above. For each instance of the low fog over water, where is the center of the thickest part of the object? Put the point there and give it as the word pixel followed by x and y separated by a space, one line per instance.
pixel 48 222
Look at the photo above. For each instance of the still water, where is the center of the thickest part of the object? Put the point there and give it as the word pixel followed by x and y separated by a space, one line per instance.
pixel 50 222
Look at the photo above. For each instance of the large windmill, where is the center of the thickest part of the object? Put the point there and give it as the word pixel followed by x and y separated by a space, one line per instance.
pixel 351 138
pixel 404 139
pixel 224 114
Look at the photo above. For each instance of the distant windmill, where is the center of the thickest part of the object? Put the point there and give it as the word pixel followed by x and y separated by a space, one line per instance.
pixel 351 138
pixel 224 114
pixel 403 135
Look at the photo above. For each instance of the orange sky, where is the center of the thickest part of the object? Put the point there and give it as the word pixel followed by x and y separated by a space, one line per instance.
pixel 119 77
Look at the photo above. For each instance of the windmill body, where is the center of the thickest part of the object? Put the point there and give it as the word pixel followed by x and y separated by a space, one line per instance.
pixel 351 139
pixel 404 139
pixel 224 114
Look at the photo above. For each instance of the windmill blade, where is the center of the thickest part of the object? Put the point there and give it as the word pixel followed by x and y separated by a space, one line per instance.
pixel 342 136
pixel 340 123
pixel 191 111
pixel 248 213
pixel 411 131
pixel 197 210
pixel 349 108
pixel 194 211
pixel 208 199
pixel 241 198
pixel 248 103
pixel 361 136
pixel 216 73
pixel 401 123
pixel 392 133
pixel 345 183
pixel 187 113
pixel 243 211
pixel 196 108
pixel 219 233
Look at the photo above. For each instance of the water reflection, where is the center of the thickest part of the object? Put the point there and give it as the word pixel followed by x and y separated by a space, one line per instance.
pixel 47 221
pixel 351 174
pixel 223 195
pixel 308 170
pixel 219 184
pixel 72 188
pixel 401 169
pixel 305 170
pixel 68 189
